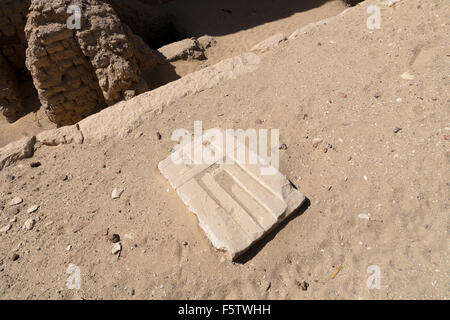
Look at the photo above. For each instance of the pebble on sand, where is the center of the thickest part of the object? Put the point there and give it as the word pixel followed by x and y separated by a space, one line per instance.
pixel 116 248
pixel 117 192
pixel 407 76
pixel 29 224
pixel 35 164
pixel 15 201
pixel 316 142
pixel 6 228
pixel 114 238
pixel 12 211
pixel 33 208
pixel 364 216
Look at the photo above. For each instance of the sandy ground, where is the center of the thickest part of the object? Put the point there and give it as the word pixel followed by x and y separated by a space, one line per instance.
pixel 384 155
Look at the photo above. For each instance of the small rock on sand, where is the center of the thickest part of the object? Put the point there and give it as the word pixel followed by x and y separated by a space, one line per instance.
pixel 33 208
pixel 117 192
pixel 316 142
pixel 35 164
pixel 6 228
pixel 364 216
pixel 15 201
pixel 269 43
pixel 29 224
pixel 116 248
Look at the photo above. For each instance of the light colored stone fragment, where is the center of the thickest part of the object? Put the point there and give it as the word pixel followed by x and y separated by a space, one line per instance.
pixel 116 193
pixel 15 201
pixel 16 151
pixel 269 43
pixel 235 205
pixel 407 76
pixel 117 247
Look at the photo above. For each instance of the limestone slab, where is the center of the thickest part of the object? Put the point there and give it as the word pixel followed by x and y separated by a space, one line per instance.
pixel 234 203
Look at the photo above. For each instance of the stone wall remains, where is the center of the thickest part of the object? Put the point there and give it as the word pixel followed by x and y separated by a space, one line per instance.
pixel 79 72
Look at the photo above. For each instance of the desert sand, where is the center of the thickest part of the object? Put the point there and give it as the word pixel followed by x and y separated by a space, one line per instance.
pixel 364 115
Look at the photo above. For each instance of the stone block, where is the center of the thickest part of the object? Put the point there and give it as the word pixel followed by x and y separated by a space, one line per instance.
pixel 235 204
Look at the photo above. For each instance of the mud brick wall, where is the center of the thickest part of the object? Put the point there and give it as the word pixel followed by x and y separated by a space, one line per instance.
pixel 10 102
pixel 79 72
pixel 13 15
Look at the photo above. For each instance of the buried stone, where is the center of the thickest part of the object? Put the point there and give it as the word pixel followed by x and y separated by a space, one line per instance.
pixel 235 202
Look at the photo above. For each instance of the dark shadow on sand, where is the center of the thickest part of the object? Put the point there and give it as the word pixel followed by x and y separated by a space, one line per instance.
pixel 180 19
